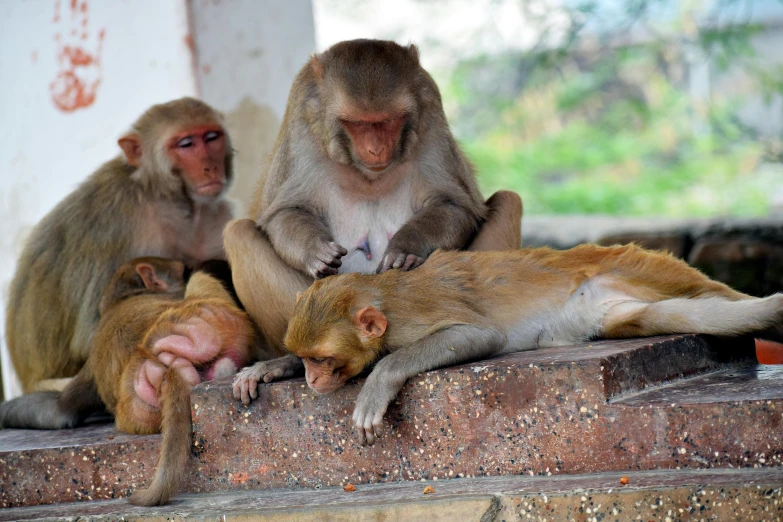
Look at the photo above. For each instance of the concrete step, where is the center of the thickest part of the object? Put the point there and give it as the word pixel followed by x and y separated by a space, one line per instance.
pixel 749 383
pixel 729 494
pixel 543 412
pixel 565 410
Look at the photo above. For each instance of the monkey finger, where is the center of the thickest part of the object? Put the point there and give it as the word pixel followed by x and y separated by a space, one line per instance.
pixel 338 250
pixel 333 262
pixel 375 428
pixel 369 436
pixel 399 260
pixel 237 389
pixel 385 264
pixel 411 262
pixel 362 436
pixel 186 370
pixel 147 382
pixel 248 391
pixel 244 396
pixel 167 358
pixel 245 385
pixel 325 271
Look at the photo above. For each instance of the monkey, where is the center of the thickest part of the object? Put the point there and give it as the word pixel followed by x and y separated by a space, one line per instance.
pixel 463 306
pixel 163 196
pixel 365 176
pixel 156 338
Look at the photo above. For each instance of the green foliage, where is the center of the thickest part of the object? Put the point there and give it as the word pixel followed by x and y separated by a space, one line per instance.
pixel 614 131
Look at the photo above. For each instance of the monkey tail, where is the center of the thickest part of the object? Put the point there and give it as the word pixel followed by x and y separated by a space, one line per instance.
pixel 175 446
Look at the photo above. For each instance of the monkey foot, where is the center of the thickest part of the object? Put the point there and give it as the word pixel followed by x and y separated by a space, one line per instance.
pixel 245 385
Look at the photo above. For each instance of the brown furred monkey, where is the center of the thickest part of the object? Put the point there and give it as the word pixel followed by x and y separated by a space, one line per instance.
pixel 161 198
pixel 365 176
pixel 156 339
pixel 462 306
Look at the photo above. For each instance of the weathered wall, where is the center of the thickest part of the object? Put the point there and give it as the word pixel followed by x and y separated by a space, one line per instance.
pixel 77 73
pixel 248 53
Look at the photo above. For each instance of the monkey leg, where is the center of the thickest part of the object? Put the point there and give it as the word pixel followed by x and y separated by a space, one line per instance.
pixel 707 315
pixel 503 228
pixel 51 410
pixel 265 284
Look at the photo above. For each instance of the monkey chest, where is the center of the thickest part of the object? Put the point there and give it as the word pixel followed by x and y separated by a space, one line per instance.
pixel 364 226
pixel 188 237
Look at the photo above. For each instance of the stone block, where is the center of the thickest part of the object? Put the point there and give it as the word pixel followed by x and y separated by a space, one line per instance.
pixel 661 403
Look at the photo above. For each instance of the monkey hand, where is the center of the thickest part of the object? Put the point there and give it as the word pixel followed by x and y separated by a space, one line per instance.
pixel 395 258
pixel 378 391
pixel 148 380
pixel 246 381
pixel 326 260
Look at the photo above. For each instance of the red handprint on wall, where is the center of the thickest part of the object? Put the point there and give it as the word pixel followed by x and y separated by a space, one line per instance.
pixel 80 72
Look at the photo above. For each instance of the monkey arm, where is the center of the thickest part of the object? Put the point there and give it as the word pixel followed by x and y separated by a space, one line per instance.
pixel 303 240
pixel 441 223
pixel 453 345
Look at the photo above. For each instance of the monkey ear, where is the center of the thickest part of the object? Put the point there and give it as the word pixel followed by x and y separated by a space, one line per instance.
pixel 370 321
pixel 131 146
pixel 414 52
pixel 299 296
pixel 318 67
pixel 150 278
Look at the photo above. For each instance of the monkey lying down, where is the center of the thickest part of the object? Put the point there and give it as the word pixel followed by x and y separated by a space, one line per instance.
pixel 462 306
pixel 156 338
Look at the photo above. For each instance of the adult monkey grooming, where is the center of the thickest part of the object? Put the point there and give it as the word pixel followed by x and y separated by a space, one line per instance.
pixel 156 339
pixel 365 176
pixel 462 306
pixel 162 198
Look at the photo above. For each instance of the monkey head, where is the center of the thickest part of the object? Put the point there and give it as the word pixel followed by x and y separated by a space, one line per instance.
pixel 368 102
pixel 183 145
pixel 143 275
pixel 334 335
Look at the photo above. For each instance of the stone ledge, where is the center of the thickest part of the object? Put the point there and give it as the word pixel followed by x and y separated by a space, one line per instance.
pixel 551 411
pixel 542 412
pixel 732 494
pixel 90 463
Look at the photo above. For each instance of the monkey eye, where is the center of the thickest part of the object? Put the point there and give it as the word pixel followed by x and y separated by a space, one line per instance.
pixel 211 136
pixel 184 143
pixel 317 360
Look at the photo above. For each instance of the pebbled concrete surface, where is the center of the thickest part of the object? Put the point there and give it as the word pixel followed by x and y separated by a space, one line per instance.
pixel 731 494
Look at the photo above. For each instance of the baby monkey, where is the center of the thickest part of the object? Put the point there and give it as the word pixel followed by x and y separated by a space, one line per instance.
pixel 462 306
pixel 157 337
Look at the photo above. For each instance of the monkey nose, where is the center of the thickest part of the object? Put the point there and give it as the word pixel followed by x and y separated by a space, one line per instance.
pixel 375 152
